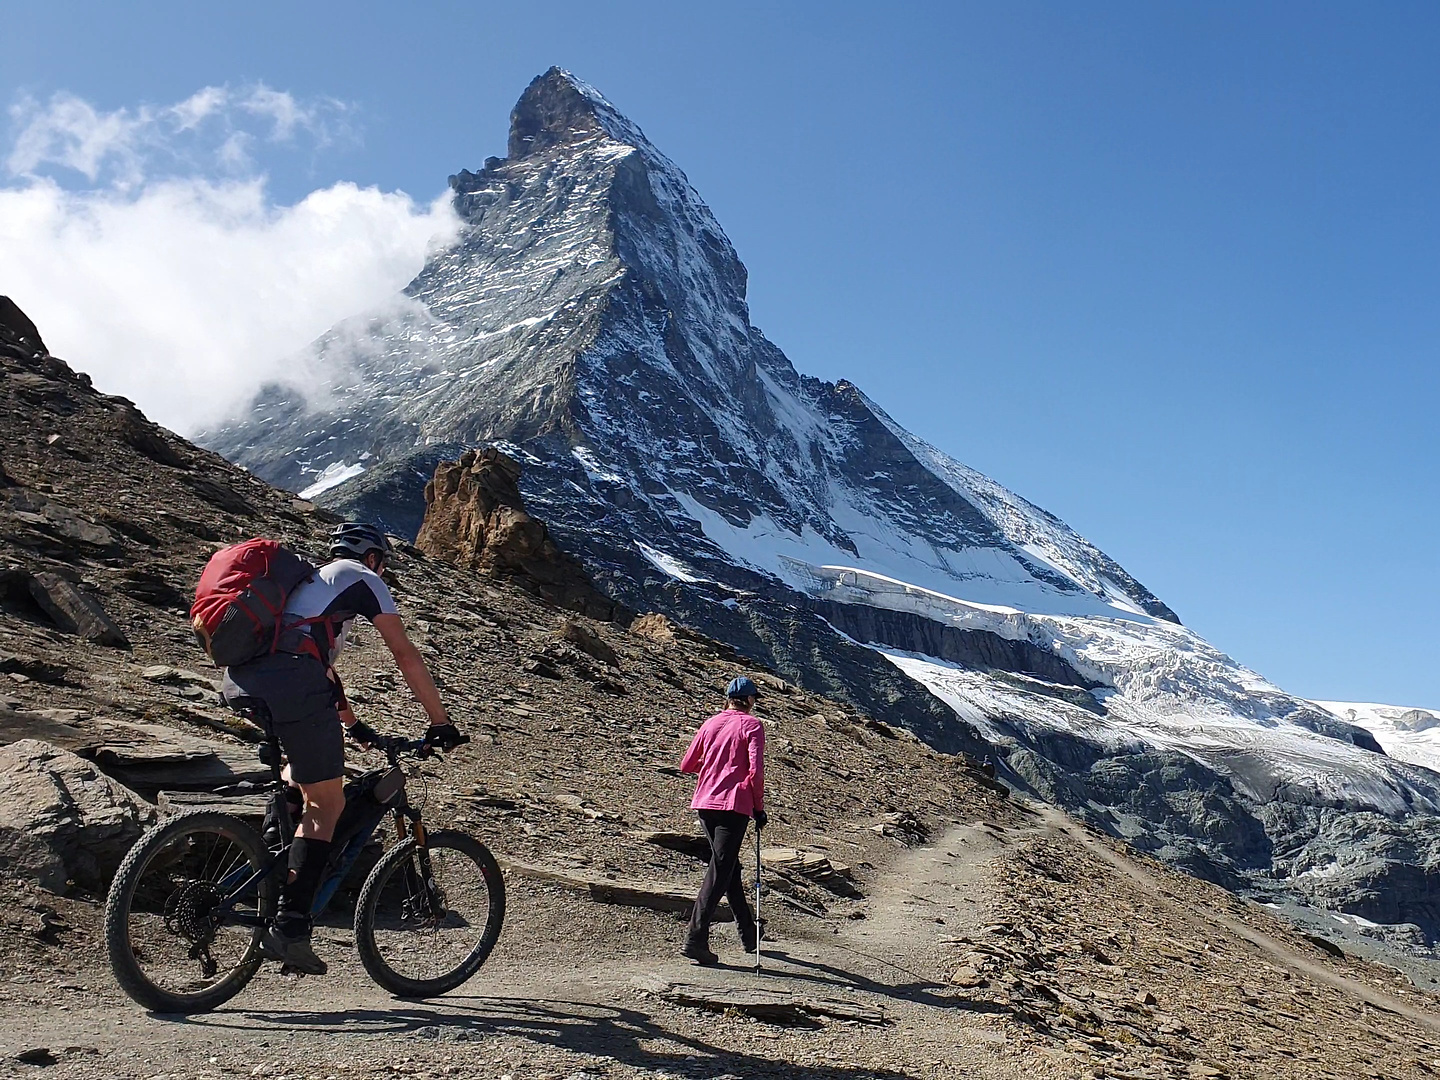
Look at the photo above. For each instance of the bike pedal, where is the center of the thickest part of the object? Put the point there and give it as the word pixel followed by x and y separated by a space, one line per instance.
pixel 292 972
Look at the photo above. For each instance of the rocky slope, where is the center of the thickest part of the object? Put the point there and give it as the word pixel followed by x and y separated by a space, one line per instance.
pixel 591 319
pixel 963 934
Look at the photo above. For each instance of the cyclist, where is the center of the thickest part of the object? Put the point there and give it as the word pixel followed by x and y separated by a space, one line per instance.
pixel 297 690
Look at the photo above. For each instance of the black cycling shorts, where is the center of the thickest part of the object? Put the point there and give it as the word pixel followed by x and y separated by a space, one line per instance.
pixel 301 700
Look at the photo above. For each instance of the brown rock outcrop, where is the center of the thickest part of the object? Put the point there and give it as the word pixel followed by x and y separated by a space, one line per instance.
pixel 475 518
pixel 654 627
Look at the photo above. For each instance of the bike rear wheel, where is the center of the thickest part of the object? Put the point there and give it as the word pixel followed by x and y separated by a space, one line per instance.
pixel 172 946
pixel 420 935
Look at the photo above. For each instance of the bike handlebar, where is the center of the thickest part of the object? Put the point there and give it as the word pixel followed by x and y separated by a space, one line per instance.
pixel 393 746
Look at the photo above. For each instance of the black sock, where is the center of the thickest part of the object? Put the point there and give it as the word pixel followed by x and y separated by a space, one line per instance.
pixel 307 860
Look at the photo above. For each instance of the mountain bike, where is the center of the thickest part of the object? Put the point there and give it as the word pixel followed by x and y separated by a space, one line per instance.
pixel 190 902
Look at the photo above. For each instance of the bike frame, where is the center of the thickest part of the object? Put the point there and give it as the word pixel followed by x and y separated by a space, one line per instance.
pixel 240 884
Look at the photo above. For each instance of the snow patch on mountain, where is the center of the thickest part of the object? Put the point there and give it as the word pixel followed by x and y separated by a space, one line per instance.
pixel 668 564
pixel 1328 770
pixel 332 476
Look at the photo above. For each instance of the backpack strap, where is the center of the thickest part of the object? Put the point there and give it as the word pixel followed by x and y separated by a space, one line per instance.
pixel 307 645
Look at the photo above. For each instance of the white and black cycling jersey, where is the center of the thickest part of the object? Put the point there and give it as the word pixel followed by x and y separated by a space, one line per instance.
pixel 337 593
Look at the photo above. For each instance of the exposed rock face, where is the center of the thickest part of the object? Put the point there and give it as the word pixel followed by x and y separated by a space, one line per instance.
pixel 61 819
pixel 146 437
pixel 475 518
pixel 592 320
pixel 18 334
pixel 979 649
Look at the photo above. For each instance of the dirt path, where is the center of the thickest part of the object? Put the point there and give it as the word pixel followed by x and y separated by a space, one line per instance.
pixel 547 1005
pixel 578 990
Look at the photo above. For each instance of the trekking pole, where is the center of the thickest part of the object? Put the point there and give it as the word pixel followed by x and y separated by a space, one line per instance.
pixel 759 922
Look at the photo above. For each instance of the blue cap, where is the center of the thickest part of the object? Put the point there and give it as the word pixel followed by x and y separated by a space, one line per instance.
pixel 742 688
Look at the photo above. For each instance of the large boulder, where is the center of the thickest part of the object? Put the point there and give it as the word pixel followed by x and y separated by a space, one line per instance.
pixel 62 820
pixel 475 518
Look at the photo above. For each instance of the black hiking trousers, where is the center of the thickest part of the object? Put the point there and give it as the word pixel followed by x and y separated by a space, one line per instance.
pixel 726 832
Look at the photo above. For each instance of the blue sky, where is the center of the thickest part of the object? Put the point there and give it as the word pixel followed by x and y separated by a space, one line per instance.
pixel 1167 270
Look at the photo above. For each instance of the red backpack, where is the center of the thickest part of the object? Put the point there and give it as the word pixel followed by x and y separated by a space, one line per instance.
pixel 241 595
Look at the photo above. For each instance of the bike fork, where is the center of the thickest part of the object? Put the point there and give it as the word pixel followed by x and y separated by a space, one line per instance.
pixel 423 899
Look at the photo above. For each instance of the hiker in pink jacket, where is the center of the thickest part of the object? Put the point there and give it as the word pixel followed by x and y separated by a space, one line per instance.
pixel 728 754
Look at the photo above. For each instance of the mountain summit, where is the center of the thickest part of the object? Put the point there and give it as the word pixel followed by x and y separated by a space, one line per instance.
pixel 591 320
pixel 557 109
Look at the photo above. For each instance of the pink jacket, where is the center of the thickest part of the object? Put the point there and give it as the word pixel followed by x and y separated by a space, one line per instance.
pixel 728 754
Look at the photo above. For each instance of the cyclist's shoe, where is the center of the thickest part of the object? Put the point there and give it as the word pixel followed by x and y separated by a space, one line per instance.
pixel 293 952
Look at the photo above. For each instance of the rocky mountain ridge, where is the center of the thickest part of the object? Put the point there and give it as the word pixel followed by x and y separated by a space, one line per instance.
pixel 591 322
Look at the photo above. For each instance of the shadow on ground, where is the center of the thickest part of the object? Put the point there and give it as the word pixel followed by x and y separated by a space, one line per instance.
pixel 628 1035
pixel 920 990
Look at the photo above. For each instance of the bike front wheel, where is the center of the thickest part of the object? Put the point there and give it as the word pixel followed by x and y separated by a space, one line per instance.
pixel 182 918
pixel 427 918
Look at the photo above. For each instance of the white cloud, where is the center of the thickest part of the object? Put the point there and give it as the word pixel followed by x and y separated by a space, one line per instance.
pixel 285 112
pixel 199 106
pixel 187 293
pixel 71 133
pixel 126 146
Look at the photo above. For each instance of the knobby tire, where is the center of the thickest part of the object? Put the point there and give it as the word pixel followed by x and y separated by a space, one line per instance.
pixel 127 969
pixel 401 859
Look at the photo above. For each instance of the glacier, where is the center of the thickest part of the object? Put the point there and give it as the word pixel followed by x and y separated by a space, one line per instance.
pixel 1406 733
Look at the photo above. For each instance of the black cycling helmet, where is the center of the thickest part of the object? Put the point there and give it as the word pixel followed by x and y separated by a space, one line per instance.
pixel 356 539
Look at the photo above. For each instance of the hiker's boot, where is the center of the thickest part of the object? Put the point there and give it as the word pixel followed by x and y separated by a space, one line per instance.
pixel 293 952
pixel 697 948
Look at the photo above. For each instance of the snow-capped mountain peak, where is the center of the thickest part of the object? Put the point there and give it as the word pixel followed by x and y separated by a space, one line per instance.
pixel 592 318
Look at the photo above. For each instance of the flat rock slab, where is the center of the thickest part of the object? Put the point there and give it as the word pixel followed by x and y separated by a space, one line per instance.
pixel 164 673
pixel 834 877
pixel 17 724
pixel 29 667
pixel 250 807
pixel 34 509
pixel 772 1006
pixel 652 895
pixel 151 757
